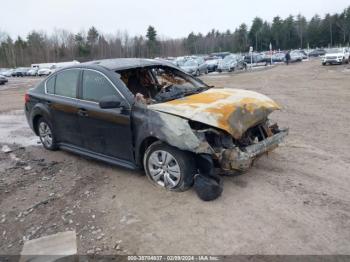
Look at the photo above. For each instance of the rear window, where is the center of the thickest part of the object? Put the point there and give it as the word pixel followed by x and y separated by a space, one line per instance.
pixel 66 83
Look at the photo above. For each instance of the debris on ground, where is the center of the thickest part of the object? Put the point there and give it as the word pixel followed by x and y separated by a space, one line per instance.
pixel 50 248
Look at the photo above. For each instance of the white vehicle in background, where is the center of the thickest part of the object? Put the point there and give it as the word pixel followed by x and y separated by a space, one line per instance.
pixel 45 71
pixel 7 73
pixel 33 72
pixel 59 64
pixel 336 56
pixel 296 56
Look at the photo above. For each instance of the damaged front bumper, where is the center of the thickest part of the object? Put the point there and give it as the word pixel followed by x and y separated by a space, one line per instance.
pixel 241 159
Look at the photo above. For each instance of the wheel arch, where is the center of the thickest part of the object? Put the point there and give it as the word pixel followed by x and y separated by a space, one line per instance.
pixel 38 112
pixel 146 142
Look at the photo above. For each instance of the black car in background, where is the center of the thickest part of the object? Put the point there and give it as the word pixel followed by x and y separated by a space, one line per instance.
pixel 3 80
pixel 212 63
pixel 317 53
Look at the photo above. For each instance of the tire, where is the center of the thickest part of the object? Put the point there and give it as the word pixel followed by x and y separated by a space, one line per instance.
pixel 160 157
pixel 208 188
pixel 46 134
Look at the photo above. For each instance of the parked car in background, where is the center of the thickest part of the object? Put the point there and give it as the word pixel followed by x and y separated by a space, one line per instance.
pixel 302 53
pixel 195 66
pixel 33 72
pixel 265 59
pixel 278 57
pixel 317 53
pixel 336 56
pixel 44 71
pixel 222 55
pixel 295 56
pixel 254 58
pixel 20 72
pixel 212 63
pixel 179 61
pixel 3 70
pixel 231 63
pixel 7 73
pixel 3 80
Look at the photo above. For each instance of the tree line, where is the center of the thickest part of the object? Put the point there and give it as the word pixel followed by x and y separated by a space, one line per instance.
pixel 291 32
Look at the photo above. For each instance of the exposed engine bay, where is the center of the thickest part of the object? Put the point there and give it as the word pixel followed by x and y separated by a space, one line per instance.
pixel 231 154
pixel 157 84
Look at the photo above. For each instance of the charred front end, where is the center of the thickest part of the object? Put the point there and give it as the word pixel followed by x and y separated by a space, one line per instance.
pixel 230 125
pixel 230 154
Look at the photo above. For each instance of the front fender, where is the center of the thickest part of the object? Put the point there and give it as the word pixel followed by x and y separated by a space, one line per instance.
pixel 168 128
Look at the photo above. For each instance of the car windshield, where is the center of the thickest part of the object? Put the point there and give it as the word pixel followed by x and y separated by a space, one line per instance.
pixel 335 50
pixel 160 83
pixel 190 63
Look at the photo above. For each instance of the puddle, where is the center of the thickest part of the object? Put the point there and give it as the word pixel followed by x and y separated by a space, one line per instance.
pixel 15 129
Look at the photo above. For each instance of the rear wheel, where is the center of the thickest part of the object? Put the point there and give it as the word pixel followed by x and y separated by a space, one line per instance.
pixel 169 167
pixel 46 135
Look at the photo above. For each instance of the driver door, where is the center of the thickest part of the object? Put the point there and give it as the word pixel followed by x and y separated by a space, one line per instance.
pixel 104 131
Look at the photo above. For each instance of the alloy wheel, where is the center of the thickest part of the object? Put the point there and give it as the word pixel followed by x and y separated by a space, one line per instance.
pixel 164 169
pixel 45 134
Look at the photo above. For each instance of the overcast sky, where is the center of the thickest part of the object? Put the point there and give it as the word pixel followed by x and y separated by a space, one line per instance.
pixel 175 18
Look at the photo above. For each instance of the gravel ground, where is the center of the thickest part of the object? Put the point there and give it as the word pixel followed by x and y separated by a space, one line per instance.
pixel 296 200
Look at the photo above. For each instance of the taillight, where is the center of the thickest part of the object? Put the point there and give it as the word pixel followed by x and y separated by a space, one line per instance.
pixel 26 98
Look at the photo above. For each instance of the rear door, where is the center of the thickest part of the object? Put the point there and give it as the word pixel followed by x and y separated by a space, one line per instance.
pixel 62 101
pixel 104 131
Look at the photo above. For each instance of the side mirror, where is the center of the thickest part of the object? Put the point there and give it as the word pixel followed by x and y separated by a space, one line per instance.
pixel 109 102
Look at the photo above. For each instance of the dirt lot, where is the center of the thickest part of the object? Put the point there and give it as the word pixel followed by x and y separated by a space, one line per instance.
pixel 295 201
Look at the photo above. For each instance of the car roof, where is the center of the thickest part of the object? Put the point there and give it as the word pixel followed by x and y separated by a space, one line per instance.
pixel 127 63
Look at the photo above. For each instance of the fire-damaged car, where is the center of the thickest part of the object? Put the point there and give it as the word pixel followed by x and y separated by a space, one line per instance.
pixel 142 113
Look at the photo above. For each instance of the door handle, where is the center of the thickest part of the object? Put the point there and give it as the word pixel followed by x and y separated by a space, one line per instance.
pixel 82 112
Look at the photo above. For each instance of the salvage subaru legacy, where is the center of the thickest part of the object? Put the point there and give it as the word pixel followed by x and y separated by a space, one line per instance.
pixel 142 113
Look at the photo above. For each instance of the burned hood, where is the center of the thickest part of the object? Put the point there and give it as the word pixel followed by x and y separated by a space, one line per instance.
pixel 232 110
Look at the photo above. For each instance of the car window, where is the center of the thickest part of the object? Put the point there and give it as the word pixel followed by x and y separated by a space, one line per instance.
pixel 66 83
pixel 50 85
pixel 96 86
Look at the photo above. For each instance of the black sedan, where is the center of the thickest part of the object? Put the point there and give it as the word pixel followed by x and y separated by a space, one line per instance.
pixel 3 80
pixel 149 114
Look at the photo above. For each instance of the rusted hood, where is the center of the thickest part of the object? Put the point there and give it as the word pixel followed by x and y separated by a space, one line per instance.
pixel 233 110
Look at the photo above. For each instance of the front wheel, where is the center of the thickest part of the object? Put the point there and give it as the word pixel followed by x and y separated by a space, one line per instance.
pixel 46 135
pixel 169 167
